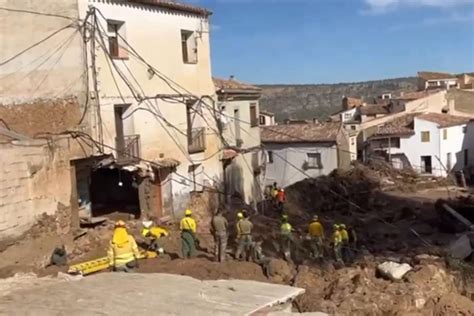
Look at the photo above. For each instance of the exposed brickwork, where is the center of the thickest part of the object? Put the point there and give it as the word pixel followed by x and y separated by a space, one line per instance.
pixel 51 116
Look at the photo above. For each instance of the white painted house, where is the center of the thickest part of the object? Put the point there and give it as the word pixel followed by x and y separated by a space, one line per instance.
pixel 266 118
pixel 298 151
pixel 430 143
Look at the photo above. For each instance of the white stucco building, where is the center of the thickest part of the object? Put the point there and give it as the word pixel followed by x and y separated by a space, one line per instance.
pixel 430 143
pixel 296 151
pixel 266 118
pixel 126 86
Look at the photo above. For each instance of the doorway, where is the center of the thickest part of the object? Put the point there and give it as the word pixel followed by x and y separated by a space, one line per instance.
pixel 426 166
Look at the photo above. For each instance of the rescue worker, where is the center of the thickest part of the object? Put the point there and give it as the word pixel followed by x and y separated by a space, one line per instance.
pixel 188 235
pixel 281 199
pixel 219 229
pixel 123 250
pixel 274 194
pixel 285 235
pixel 244 236
pixel 345 251
pixel 337 243
pixel 153 234
pixel 316 235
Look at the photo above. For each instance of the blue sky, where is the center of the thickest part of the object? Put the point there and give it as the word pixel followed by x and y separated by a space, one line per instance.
pixel 328 41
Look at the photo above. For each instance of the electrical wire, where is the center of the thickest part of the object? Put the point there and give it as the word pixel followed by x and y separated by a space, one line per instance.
pixel 38 13
pixel 3 63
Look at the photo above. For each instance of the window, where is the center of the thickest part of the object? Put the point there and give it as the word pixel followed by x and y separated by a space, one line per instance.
pixel 445 134
pixel 353 127
pixel 270 156
pixel 314 161
pixel 189 47
pixel 195 132
pixel 426 166
pixel 116 34
pixel 425 137
pixel 253 115
pixel 347 116
pixel 448 161
pixel 262 119
pixel 352 141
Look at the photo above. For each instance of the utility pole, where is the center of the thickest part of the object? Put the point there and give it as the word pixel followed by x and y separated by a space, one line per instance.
pixel 98 120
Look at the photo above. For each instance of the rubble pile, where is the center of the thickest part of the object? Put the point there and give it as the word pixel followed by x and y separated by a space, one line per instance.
pixel 358 291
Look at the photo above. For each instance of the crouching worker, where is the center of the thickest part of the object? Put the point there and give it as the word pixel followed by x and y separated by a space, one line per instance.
pixel 123 250
pixel 153 234
pixel 259 258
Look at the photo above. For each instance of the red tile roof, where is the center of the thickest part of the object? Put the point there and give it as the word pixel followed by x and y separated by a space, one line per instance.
pixel 173 5
pixel 429 75
pixel 351 102
pixel 402 125
pixel 444 120
pixel 374 109
pixel 410 96
pixel 232 85
pixel 300 133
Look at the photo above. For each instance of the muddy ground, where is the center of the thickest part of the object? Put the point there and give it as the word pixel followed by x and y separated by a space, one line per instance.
pixel 392 224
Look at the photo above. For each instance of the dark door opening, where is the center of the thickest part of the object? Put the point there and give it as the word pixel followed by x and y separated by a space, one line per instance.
pixel 120 140
pixel 114 191
pixel 426 166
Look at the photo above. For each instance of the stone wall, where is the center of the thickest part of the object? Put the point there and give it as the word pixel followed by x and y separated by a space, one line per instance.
pixel 35 179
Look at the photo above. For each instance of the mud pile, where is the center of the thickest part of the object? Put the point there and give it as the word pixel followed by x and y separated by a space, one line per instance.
pixel 428 289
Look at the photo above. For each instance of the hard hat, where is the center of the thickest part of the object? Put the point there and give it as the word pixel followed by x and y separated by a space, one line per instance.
pixel 188 212
pixel 315 217
pixel 147 224
pixel 284 216
pixel 120 223
pixel 342 225
pixel 282 190
pixel 240 215
pixel 336 226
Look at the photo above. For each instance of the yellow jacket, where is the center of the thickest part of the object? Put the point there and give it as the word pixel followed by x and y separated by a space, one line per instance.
pixel 188 223
pixel 344 235
pixel 154 232
pixel 337 238
pixel 123 248
pixel 316 229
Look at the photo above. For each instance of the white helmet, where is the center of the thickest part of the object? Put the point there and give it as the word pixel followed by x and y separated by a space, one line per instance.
pixel 147 224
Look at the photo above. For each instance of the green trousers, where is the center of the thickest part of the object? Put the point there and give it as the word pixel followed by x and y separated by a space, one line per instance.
pixel 317 250
pixel 188 244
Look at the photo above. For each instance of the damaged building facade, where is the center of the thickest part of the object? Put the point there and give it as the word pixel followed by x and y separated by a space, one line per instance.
pixel 94 117
pixel 243 157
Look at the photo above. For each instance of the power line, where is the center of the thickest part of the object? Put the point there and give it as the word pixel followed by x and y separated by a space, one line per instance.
pixel 3 63
pixel 38 13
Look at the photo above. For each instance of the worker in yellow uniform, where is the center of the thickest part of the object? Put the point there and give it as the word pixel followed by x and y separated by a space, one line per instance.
pixel 345 242
pixel 153 234
pixel 316 236
pixel 123 250
pixel 188 235
pixel 286 238
pixel 337 243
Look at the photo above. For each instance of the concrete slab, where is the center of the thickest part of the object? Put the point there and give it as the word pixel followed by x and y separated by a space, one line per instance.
pixel 155 294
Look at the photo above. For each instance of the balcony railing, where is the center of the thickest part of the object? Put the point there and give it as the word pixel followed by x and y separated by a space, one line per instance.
pixel 128 148
pixel 197 140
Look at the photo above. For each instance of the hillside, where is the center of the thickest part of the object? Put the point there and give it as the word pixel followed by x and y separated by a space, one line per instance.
pixel 320 100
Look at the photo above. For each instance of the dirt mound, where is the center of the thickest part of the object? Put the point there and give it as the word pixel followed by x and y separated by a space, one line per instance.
pixel 203 269
pixel 454 304
pixel 357 291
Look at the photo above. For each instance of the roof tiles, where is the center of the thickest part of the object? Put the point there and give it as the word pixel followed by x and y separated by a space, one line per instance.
pixel 300 133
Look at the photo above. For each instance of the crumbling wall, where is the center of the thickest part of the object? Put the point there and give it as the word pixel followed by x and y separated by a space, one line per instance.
pixel 35 179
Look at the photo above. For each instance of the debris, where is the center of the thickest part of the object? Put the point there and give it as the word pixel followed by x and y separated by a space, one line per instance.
pixel 459 217
pixel 461 248
pixel 393 271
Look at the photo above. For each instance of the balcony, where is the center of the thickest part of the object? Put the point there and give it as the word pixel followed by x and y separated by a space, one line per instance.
pixel 197 140
pixel 128 148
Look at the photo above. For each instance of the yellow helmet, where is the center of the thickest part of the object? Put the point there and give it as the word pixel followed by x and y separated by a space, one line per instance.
pixel 342 226
pixel 284 217
pixel 120 223
pixel 315 217
pixel 240 215
pixel 188 212
pixel 336 226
